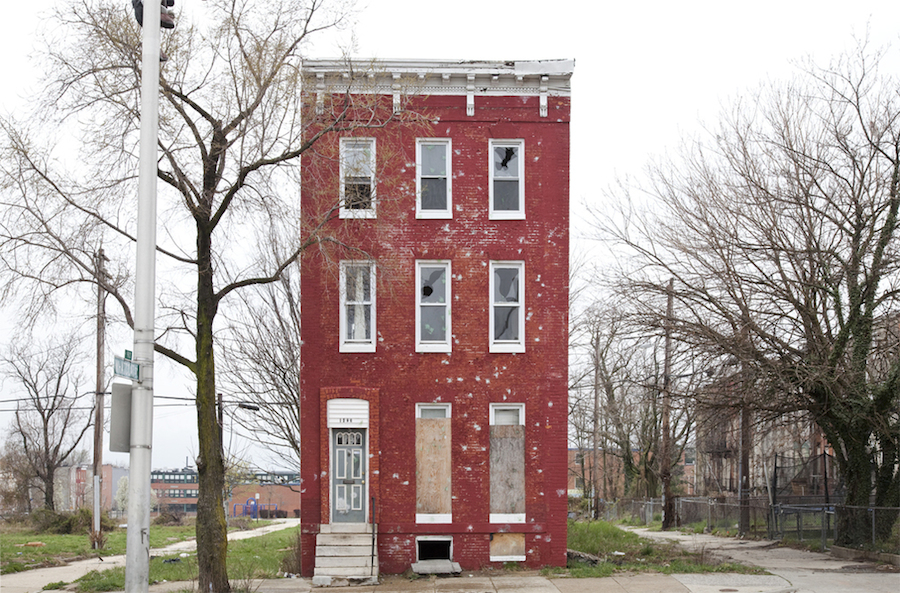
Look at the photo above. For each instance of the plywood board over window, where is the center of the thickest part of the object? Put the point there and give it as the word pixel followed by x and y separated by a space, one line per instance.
pixel 507 547
pixel 433 479
pixel 507 473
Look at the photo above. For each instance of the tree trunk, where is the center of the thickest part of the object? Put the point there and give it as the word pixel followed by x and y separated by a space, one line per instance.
pixel 855 524
pixel 49 503
pixel 212 527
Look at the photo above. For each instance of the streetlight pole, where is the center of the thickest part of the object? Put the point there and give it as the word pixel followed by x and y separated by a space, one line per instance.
pixel 137 554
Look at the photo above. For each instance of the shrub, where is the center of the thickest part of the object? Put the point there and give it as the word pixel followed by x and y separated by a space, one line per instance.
pixel 65 523
pixel 170 515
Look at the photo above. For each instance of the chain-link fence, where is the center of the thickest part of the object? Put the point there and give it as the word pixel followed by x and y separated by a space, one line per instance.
pixel 803 519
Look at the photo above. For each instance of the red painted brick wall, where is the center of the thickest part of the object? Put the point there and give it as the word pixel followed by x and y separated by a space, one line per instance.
pixel 470 377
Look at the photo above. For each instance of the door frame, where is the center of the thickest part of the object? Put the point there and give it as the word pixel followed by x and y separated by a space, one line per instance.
pixel 332 486
pixel 348 414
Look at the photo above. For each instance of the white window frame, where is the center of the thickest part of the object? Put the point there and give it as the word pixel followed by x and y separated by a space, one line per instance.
pixel 445 345
pixel 517 345
pixel 507 517
pixel 434 538
pixel 345 145
pixel 448 147
pixel 448 408
pixel 518 214
pixel 507 406
pixel 434 518
pixel 346 344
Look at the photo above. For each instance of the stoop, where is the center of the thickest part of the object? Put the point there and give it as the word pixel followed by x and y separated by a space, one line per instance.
pixel 344 556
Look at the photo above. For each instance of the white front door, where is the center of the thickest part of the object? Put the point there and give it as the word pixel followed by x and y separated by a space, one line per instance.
pixel 348 476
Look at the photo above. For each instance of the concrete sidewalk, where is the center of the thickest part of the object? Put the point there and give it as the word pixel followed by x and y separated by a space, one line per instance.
pixel 534 583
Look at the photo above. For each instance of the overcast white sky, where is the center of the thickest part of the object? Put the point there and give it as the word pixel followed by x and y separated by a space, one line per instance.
pixel 646 74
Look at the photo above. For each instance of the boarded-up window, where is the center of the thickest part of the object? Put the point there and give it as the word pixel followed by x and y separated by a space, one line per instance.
pixel 433 480
pixel 507 547
pixel 507 463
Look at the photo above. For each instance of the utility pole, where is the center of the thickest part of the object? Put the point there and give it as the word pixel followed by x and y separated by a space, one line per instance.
pixel 744 493
pixel 100 387
pixel 665 461
pixel 595 469
pixel 137 553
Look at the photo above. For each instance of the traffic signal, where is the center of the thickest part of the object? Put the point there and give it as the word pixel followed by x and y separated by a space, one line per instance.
pixel 166 14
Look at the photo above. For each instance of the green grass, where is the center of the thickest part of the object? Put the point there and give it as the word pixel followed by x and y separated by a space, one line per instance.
pixel 15 557
pixel 248 560
pixel 621 550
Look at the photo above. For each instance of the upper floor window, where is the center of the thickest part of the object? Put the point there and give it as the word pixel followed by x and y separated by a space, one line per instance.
pixel 433 306
pixel 433 178
pixel 507 414
pixel 432 410
pixel 507 179
pixel 357 296
pixel 357 178
pixel 507 314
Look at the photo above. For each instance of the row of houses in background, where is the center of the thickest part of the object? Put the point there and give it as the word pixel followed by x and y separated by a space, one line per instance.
pixel 273 493
pixel 789 457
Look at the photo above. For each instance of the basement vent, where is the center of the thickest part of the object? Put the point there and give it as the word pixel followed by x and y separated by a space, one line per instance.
pixel 433 548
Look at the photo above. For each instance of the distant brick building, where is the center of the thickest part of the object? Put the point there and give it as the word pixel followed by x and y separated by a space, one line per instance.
pixel 434 382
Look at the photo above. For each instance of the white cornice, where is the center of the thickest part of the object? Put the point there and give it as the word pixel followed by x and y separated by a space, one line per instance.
pixel 541 78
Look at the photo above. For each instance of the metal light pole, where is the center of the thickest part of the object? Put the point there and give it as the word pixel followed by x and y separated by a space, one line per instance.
pixel 137 555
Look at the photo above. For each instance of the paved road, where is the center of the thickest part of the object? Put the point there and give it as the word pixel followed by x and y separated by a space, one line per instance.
pixel 31 581
pixel 807 572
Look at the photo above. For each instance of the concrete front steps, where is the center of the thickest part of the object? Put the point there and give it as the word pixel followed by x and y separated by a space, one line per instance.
pixel 344 555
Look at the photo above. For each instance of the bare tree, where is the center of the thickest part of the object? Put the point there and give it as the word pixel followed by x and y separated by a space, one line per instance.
pixel 51 417
pixel 16 479
pixel 780 230
pixel 616 413
pixel 233 125
pixel 262 366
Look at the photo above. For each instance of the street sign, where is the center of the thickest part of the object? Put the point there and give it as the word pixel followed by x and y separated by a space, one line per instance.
pixel 126 368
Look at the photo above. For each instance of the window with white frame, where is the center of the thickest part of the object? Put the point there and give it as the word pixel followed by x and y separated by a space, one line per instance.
pixel 434 473
pixel 433 178
pixel 507 179
pixel 438 410
pixel 357 171
pixel 507 311
pixel 507 414
pixel 507 463
pixel 357 296
pixel 433 306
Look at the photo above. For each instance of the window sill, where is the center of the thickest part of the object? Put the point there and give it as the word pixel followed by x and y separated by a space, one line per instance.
pixel 434 518
pixel 507 348
pixel 357 347
pixel 435 215
pixel 507 518
pixel 505 215
pixel 363 214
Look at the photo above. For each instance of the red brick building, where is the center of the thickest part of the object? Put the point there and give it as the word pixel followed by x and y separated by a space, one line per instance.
pixel 435 352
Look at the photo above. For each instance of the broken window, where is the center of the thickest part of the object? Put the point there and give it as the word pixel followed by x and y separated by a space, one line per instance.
pixel 357 177
pixel 433 306
pixel 507 317
pixel 433 180
pixel 507 463
pixel 357 293
pixel 507 186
